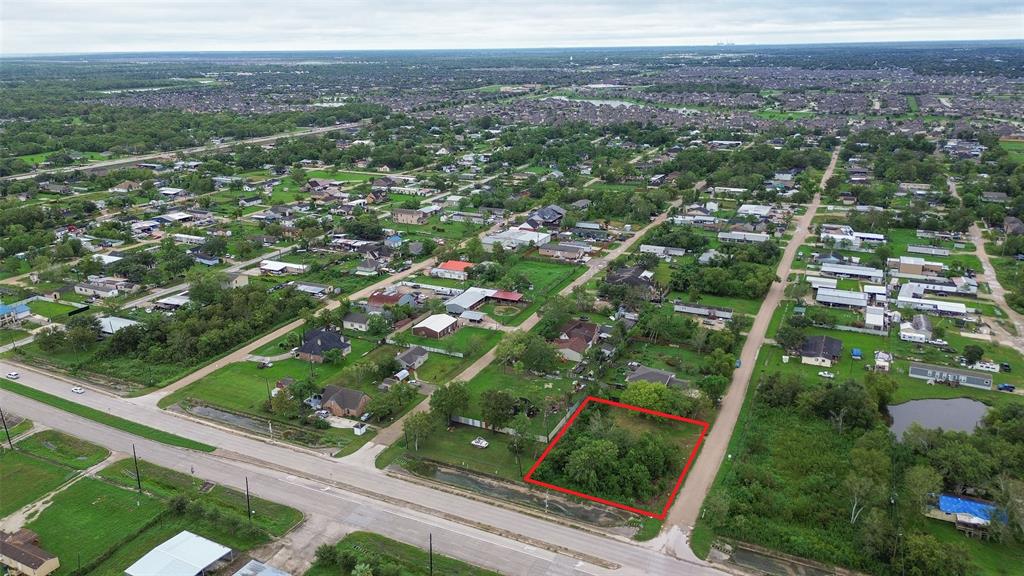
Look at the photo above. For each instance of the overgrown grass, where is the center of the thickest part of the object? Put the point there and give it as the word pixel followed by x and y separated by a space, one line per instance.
pixel 412 561
pixel 25 479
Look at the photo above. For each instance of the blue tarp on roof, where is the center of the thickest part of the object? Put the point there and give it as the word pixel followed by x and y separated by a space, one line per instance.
pixel 856 352
pixel 954 505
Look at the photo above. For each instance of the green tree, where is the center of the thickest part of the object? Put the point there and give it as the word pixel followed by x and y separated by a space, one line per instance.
pixel 790 337
pixel 449 400
pixel 496 407
pixel 973 353
pixel 418 426
pixel 920 482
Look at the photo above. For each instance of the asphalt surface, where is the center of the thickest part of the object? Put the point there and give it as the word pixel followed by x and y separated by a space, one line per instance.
pixel 351 494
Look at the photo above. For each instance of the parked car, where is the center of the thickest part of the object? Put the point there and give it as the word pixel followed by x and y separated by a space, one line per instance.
pixel 1006 387
pixel 78 390
pixel 13 375
pixel 826 374
pixel 1004 367
pixel 322 414
pixel 479 442
pixel 366 416
pixel 265 364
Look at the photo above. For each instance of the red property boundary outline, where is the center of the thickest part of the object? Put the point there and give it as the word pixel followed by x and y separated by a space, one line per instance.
pixel 679 482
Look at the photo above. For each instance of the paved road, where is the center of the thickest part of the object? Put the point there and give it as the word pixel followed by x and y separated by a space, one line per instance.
pixel 688 504
pixel 344 494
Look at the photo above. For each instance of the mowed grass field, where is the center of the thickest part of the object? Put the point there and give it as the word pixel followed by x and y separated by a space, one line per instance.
pixel 63 449
pixel 51 310
pixel 89 518
pixel 25 479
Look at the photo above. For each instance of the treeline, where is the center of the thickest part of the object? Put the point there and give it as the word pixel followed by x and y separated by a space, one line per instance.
pixel 126 131
pixel 217 320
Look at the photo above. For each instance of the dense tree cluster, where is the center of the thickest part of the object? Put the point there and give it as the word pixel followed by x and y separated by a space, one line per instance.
pixel 598 457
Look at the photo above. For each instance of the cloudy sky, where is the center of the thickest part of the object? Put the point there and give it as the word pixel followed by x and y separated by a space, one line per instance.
pixel 49 26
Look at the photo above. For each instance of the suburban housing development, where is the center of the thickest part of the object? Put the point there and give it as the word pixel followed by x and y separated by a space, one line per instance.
pixel 694 310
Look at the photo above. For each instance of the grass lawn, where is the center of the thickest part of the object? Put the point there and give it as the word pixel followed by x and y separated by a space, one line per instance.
pixel 469 340
pixel 7 336
pixel 434 228
pixel 454 448
pixel 541 391
pixel 1016 150
pixel 342 175
pixel 104 418
pixel 740 305
pixel 161 482
pixel 988 558
pixel 89 518
pixel 25 479
pixel 242 386
pixel 413 561
pixel 63 449
pixel 51 310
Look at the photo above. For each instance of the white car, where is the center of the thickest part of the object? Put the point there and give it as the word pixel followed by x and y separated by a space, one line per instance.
pixel 13 375
pixel 78 390
pixel 826 374
pixel 479 442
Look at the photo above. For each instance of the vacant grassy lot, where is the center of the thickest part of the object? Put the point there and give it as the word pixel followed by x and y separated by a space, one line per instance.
pixel 25 479
pixel 104 418
pixel 91 517
pixel 1015 148
pixel 412 560
pixel 453 448
pixel 161 482
pixel 51 310
pixel 63 449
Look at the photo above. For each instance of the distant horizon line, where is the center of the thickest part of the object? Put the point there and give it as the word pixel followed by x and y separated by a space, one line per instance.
pixel 511 49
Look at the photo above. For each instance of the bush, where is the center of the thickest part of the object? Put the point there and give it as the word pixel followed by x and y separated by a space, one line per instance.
pixel 327 555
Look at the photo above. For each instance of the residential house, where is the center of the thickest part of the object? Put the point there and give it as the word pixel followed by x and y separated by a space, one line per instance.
pixel 641 373
pixel 637 279
pixel 343 402
pixel 388 297
pixel 918 329
pixel 21 553
pixel 275 268
pixel 356 321
pixel 452 270
pixel 821 351
pixel 562 251
pixel 574 338
pixel 317 342
pixel 412 358
pixel 406 216
pixel 369 267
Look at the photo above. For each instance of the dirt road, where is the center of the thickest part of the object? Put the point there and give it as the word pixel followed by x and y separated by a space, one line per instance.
pixel 688 504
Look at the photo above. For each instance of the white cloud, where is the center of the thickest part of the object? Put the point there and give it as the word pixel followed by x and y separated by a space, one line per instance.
pixel 54 26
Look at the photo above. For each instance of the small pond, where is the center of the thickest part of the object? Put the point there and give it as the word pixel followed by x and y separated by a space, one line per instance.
pixel 961 414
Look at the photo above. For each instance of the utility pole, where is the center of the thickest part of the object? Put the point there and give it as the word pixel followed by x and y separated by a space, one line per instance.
pixel 248 504
pixel 6 431
pixel 431 554
pixel 138 475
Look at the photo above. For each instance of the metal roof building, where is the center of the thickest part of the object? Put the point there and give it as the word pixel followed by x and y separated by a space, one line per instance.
pixel 833 297
pixel 183 555
pixel 847 270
